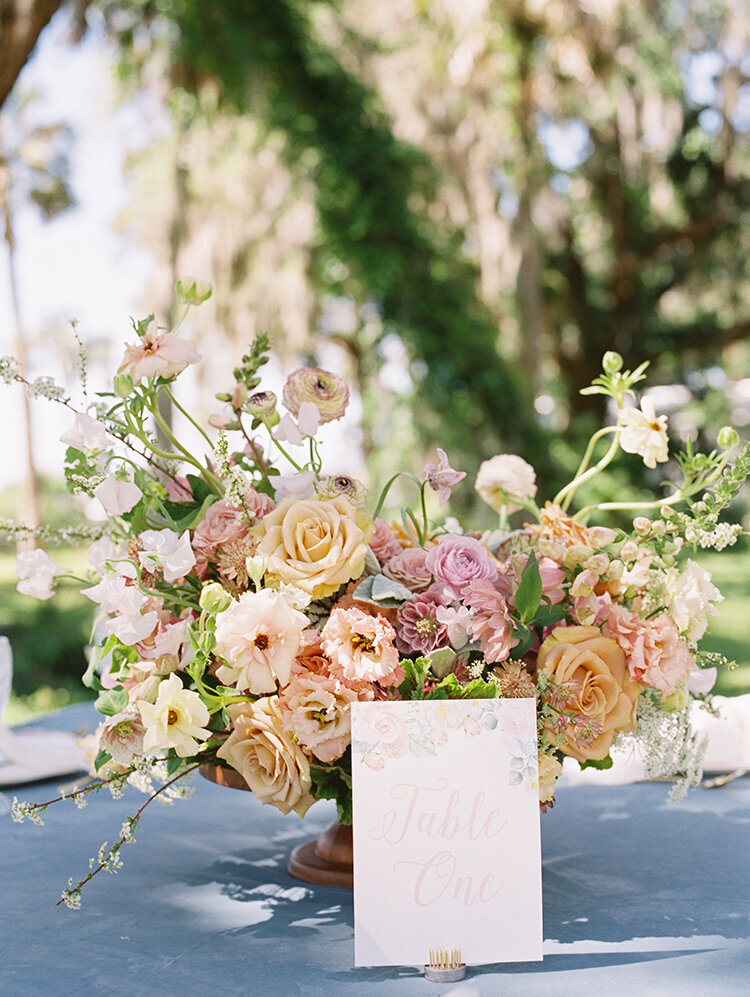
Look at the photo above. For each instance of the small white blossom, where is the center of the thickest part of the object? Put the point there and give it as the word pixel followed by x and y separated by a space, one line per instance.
pixel 166 550
pixel 644 433
pixel 36 571
pixel 117 496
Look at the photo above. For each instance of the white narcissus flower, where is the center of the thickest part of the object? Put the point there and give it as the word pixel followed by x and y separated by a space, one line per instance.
pixel 166 550
pixel 644 433
pixel 176 720
pixel 117 496
pixel 691 594
pixel 36 572
pixel 87 434
pixel 503 479
pixel 259 636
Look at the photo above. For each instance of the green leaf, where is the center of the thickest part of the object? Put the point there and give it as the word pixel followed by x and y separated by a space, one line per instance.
pixel 602 763
pixel 525 642
pixel 451 688
pixel 334 782
pixel 415 673
pixel 380 590
pixel 112 701
pixel 102 757
pixel 529 592
pixel 547 615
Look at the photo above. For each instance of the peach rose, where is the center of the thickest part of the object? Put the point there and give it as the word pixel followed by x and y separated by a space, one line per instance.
pixel 316 544
pixel 603 690
pixel 266 757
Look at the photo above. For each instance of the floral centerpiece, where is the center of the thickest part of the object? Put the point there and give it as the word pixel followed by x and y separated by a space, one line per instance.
pixel 248 595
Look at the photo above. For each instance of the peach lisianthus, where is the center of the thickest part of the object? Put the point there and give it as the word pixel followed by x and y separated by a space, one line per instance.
pixel 361 647
pixel 656 654
pixel 316 712
pixel 594 670
pixel 157 354
pixel 315 544
pixel 266 756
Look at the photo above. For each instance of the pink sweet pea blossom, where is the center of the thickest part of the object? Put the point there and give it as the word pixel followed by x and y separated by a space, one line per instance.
pixel 117 496
pixel 36 572
pixel 166 550
pixel 157 354
pixel 87 433
pixel 491 623
pixel 441 477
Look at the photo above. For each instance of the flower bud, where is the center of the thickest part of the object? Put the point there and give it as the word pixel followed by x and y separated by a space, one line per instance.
pixel 123 385
pixel 261 404
pixel 238 396
pixel 214 598
pixel 678 700
pixel 642 525
pixel 727 438
pixel 629 551
pixel 611 362
pixel 256 568
pixel 192 291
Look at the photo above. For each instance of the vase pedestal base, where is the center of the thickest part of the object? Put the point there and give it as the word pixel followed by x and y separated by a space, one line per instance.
pixel 326 860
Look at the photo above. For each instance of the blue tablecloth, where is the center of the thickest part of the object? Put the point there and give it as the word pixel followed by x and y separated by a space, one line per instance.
pixel 640 897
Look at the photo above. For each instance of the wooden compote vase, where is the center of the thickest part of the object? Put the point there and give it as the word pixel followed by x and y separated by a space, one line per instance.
pixel 325 861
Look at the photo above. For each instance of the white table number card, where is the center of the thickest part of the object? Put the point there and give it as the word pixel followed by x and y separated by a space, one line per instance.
pixel 446 831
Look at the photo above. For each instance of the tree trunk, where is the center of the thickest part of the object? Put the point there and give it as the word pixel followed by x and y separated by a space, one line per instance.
pixel 30 513
pixel 21 23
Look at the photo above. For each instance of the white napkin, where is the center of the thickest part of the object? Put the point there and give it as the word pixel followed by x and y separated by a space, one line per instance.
pixel 32 755
pixel 728 746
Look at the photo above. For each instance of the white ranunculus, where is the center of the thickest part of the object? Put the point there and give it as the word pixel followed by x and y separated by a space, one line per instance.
pixel 691 596
pixel 176 720
pixel 503 479
pixel 117 496
pixel 644 433
pixel 36 572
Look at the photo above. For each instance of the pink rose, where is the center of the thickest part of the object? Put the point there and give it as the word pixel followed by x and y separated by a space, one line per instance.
pixel 456 561
pixel 410 569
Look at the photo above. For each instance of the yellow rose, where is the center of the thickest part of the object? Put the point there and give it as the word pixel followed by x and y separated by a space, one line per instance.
pixel 604 693
pixel 316 544
pixel 266 757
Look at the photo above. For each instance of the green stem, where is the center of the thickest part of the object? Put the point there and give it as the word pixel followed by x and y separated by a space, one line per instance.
pixel 187 415
pixel 387 488
pixel 575 484
pixel 585 460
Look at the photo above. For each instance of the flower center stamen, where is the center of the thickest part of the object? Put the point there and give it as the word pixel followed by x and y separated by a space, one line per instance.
pixel 363 642
pixel 426 627
pixel 261 642
pixel 172 717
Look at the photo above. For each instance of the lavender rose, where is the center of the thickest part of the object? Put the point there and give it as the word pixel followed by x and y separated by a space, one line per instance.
pixel 456 561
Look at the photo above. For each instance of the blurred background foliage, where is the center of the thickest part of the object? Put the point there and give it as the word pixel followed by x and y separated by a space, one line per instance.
pixel 459 204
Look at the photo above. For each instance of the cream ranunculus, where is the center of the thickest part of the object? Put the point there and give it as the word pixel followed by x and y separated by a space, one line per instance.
pixel 600 688
pixel 266 757
pixel 315 544
pixel 503 479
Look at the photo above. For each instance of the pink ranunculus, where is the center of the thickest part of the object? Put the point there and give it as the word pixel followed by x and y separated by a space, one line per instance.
pixel 384 544
pixel 409 568
pixel 656 654
pixel 157 354
pixel 457 561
